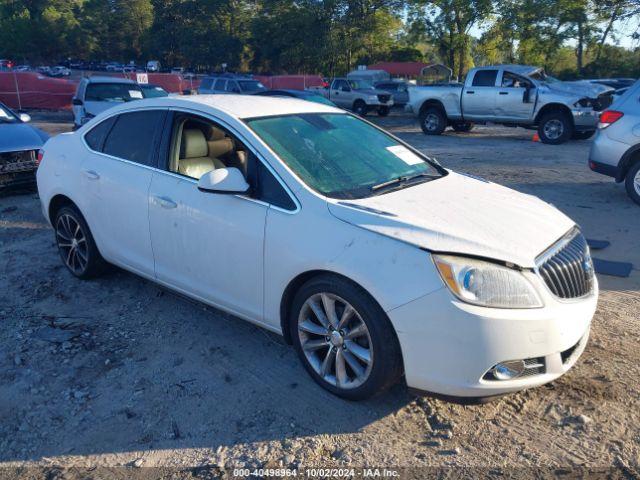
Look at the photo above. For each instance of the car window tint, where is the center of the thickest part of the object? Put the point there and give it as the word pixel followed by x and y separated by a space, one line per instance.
pixel 219 85
pixel 95 137
pixel 485 78
pixel 132 136
pixel 270 190
pixel 206 83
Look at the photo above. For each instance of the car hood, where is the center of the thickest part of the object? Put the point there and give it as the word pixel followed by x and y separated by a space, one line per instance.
pixel 20 136
pixel 372 91
pixel 578 87
pixel 462 215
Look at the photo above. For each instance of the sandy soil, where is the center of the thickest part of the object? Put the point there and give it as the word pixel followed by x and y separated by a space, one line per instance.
pixel 118 372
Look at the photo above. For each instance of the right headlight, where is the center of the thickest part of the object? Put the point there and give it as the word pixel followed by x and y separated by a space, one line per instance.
pixel 486 284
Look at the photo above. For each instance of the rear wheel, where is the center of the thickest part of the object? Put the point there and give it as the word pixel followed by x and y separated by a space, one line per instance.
pixel 433 121
pixel 555 128
pixel 383 111
pixel 462 127
pixel 632 182
pixel 583 135
pixel 344 339
pixel 76 245
pixel 360 108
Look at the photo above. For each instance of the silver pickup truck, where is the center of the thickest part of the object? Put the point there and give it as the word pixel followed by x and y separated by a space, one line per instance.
pixel 357 95
pixel 513 95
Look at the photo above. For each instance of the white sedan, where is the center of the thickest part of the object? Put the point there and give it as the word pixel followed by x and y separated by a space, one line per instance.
pixel 373 260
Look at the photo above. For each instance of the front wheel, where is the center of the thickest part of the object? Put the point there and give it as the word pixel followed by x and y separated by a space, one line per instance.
pixel 383 111
pixel 555 128
pixel 75 243
pixel 360 108
pixel 344 339
pixel 632 183
pixel 433 121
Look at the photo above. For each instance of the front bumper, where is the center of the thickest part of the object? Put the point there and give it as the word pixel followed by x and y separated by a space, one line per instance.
pixel 585 119
pixel 378 103
pixel 448 346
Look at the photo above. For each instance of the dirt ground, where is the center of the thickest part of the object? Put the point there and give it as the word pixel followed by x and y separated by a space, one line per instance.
pixel 118 372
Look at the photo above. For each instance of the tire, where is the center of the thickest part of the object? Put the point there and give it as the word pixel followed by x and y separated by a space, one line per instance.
pixel 383 111
pixel 76 245
pixel 433 121
pixel 318 345
pixel 555 128
pixel 360 108
pixel 632 182
pixel 584 135
pixel 462 127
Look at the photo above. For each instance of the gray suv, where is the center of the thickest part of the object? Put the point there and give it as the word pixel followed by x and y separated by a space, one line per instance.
pixel 616 148
pixel 230 84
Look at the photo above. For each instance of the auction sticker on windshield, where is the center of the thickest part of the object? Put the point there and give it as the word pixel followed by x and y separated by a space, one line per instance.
pixel 135 94
pixel 406 155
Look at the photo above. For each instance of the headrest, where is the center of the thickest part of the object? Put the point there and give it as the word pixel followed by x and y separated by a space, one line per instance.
pixel 214 133
pixel 218 148
pixel 193 144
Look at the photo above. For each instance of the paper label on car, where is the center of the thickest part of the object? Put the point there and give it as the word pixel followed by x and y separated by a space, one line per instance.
pixel 406 155
pixel 135 94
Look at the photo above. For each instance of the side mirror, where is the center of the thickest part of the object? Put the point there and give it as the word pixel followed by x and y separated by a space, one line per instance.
pixel 76 101
pixel 24 117
pixel 223 180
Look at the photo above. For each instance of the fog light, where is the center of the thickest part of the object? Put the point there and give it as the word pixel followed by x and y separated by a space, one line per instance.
pixel 508 370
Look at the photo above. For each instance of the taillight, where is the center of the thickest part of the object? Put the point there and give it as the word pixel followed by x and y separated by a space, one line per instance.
pixel 39 157
pixel 608 117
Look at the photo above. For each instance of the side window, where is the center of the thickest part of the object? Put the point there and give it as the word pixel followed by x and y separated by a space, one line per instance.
pixel 133 136
pixel 219 85
pixel 232 86
pixel 270 190
pixel 511 80
pixel 485 78
pixel 340 84
pixel 206 83
pixel 95 137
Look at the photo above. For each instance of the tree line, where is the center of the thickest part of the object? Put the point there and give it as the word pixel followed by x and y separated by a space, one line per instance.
pixel 572 38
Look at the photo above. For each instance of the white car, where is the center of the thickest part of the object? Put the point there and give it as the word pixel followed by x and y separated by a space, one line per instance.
pixel 373 260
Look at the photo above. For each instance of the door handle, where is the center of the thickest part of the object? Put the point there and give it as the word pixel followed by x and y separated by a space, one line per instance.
pixel 470 92
pixel 91 175
pixel 503 93
pixel 165 202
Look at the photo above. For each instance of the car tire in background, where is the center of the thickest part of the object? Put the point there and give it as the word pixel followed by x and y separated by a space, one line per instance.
pixel 632 182
pixel 462 127
pixel 343 338
pixel 76 245
pixel 360 108
pixel 433 121
pixel 383 111
pixel 584 135
pixel 555 127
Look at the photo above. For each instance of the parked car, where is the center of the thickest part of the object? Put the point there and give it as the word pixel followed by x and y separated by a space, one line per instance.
pixel 511 95
pixel 301 94
pixel 19 146
pixel 373 260
pixel 398 89
pixel 44 70
pixel 129 69
pixel 59 71
pixel 114 67
pixel 615 150
pixel 225 84
pixel 94 95
pixel 153 91
pixel 22 68
pixel 153 66
pixel 359 96
pixel 6 63
pixel 177 70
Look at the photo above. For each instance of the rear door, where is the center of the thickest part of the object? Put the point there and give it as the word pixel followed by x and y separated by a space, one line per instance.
pixel 341 93
pixel 116 176
pixel 516 98
pixel 479 97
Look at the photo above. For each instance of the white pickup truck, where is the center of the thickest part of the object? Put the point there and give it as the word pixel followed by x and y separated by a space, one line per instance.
pixel 513 95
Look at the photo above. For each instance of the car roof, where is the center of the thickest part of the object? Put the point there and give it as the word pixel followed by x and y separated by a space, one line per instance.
pixel 238 106
pixel 109 80
pixel 519 69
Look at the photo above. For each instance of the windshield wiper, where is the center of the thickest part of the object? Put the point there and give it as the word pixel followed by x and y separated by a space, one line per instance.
pixel 403 181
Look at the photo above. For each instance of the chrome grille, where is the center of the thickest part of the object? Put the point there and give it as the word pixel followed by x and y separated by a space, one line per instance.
pixel 384 98
pixel 566 267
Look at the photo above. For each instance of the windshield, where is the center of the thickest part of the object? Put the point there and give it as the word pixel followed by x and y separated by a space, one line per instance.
pixel 112 92
pixel 360 85
pixel 543 77
pixel 341 156
pixel 7 116
pixel 151 91
pixel 251 86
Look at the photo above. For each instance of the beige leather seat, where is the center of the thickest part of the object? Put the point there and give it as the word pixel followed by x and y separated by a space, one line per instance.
pixel 195 159
pixel 221 145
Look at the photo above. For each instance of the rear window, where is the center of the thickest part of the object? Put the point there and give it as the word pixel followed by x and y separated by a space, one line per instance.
pixel 112 92
pixel 485 78
pixel 251 86
pixel 133 136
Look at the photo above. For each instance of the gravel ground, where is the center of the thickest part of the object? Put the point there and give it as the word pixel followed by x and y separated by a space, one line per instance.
pixel 118 372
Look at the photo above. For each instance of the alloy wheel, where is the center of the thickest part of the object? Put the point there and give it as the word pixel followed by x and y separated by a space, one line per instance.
pixel 554 129
pixel 636 182
pixel 335 340
pixel 431 122
pixel 72 243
